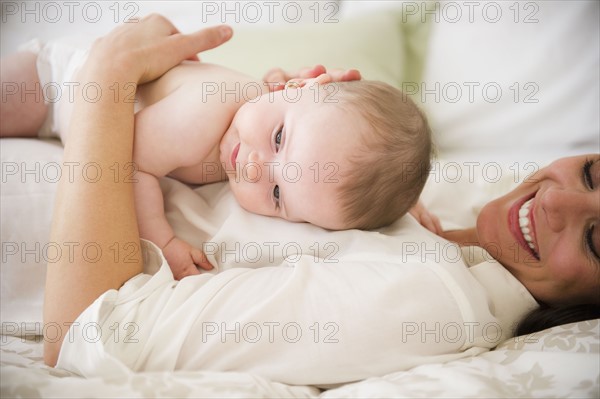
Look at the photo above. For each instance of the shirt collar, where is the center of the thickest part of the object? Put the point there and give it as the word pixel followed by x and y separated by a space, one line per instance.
pixel 509 300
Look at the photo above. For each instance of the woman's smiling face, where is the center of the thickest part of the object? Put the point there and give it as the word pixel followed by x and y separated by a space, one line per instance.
pixel 546 232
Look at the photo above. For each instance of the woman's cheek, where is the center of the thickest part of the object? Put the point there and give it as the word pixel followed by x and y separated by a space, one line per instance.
pixel 488 225
pixel 565 267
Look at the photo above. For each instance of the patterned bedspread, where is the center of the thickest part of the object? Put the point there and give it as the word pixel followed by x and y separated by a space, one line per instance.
pixel 563 361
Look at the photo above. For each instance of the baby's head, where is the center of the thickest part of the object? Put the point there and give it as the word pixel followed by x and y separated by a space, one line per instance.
pixel 390 169
pixel 340 156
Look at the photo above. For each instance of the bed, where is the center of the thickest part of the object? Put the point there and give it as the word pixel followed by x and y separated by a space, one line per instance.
pixel 507 87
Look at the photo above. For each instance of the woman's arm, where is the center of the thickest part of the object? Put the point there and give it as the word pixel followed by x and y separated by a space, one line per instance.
pixel 94 216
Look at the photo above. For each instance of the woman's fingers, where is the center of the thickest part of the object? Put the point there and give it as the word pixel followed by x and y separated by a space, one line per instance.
pixel 310 72
pixel 428 220
pixel 178 47
pixel 276 78
pixel 350 75
pixel 437 224
pixel 205 39
pixel 146 49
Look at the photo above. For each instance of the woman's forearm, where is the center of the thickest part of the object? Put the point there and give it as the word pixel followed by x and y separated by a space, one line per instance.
pixel 94 214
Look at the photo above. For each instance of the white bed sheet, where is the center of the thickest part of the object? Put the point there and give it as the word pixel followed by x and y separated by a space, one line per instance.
pixel 559 362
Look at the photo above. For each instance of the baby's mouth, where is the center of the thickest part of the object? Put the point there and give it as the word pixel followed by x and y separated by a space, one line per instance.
pixel 234 155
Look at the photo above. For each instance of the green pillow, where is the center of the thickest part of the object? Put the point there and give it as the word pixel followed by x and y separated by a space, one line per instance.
pixel 416 31
pixel 373 43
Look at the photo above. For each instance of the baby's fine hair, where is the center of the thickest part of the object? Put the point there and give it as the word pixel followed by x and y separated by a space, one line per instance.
pixel 385 178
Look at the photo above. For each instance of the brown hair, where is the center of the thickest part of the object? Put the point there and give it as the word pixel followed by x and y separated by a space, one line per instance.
pixel 386 179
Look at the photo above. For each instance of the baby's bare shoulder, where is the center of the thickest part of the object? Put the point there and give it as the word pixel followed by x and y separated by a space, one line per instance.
pixel 184 115
pixel 214 81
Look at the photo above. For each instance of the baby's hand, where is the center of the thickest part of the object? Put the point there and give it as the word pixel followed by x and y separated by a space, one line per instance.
pixel 427 220
pixel 184 259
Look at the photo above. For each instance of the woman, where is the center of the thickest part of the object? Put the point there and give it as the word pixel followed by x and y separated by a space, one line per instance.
pixel 142 52
pixel 558 256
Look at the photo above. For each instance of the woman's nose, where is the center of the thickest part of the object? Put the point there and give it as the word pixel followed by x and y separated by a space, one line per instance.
pixel 561 206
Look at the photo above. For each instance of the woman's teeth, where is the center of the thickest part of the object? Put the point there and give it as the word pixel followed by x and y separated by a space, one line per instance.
pixel 524 224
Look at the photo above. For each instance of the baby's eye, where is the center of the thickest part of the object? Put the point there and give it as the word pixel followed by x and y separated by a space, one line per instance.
pixel 276 195
pixel 278 138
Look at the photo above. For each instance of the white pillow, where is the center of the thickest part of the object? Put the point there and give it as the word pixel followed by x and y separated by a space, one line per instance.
pixel 550 58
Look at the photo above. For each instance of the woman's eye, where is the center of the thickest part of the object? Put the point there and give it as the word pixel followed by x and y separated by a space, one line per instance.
pixel 278 138
pixel 276 194
pixel 587 174
pixel 590 242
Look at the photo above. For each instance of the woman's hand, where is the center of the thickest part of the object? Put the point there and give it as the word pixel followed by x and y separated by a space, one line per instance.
pixel 427 219
pixel 147 48
pixel 466 237
pixel 432 223
pixel 277 78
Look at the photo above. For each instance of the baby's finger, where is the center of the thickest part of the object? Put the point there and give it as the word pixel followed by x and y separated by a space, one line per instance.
pixel 201 260
pixel 189 270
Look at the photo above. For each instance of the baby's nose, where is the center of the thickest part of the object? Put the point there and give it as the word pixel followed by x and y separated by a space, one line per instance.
pixel 253 171
pixel 253 157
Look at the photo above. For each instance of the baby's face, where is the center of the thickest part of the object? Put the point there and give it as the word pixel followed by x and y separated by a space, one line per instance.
pixel 286 155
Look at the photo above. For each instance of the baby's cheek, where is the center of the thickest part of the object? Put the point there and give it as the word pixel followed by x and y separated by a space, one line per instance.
pixel 238 193
pixel 244 196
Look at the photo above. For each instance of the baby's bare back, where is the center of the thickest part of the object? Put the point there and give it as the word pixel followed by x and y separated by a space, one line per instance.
pixel 183 116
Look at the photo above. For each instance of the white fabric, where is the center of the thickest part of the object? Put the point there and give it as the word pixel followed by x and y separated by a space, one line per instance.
pixel 558 362
pixel 57 64
pixel 380 307
pixel 30 173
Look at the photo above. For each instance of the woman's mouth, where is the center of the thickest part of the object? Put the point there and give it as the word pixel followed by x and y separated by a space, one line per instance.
pixel 234 155
pixel 522 226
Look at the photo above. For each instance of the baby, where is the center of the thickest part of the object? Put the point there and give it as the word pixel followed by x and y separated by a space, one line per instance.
pixel 339 155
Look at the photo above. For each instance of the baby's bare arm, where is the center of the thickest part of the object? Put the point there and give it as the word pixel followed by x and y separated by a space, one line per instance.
pixel 149 207
pixel 183 258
